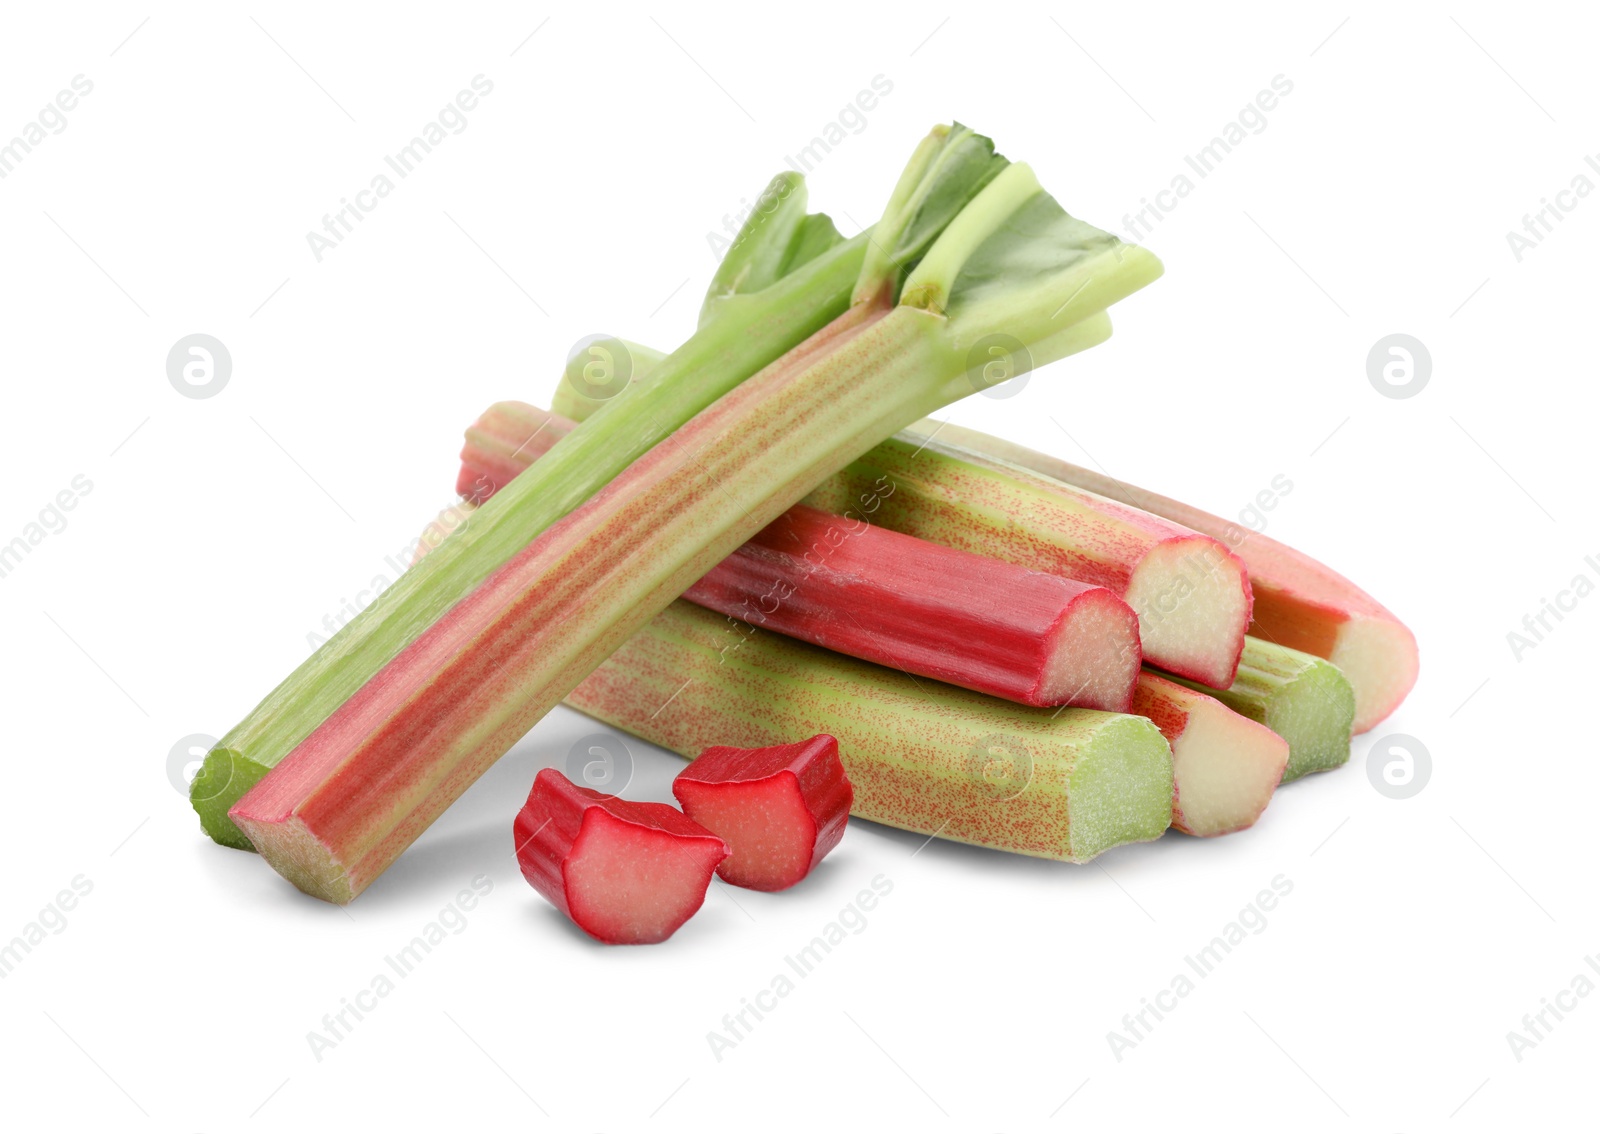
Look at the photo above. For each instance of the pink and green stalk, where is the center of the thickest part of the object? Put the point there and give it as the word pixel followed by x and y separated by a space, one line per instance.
pixel 931 758
pixel 781 307
pixel 368 780
pixel 1299 602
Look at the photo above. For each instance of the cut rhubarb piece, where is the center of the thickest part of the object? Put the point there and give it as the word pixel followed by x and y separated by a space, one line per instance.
pixel 625 873
pixel 1063 784
pixel 779 809
pixel 367 781
pixel 1302 698
pixel 1299 602
pixel 1225 766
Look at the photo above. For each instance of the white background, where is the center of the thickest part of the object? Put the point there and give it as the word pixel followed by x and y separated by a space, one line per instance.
pixel 219 533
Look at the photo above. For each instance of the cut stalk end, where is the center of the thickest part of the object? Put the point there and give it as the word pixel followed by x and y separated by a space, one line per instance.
pixel 1092 655
pixel 224 776
pixel 1225 766
pixel 1378 656
pixel 1120 790
pixel 295 852
pixel 1193 602
pixel 1315 713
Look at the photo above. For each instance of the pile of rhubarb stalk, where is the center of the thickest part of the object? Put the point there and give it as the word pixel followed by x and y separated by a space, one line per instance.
pixel 759 552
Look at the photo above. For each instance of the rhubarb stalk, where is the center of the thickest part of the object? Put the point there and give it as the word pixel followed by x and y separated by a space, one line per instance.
pixel 934 611
pixel 752 329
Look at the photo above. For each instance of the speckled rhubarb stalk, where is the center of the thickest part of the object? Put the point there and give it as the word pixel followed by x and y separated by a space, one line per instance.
pixel 1063 784
pixel 365 783
pixel 1299 602
pixel 1299 696
pixel 1225 766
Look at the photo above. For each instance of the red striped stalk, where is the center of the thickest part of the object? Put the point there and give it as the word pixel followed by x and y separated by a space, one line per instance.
pixel 764 307
pixel 374 775
pixel 972 621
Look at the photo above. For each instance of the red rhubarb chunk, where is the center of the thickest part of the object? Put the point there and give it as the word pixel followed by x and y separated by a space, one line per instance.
pixel 627 873
pixel 780 809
